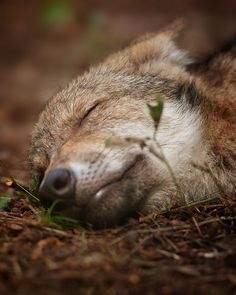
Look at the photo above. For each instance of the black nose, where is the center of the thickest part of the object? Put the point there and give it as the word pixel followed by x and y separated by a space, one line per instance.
pixel 59 184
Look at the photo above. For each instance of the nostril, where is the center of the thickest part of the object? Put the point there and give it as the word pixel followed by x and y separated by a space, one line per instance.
pixel 61 179
pixel 58 184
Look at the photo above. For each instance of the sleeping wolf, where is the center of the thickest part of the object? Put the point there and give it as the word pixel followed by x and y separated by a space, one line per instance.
pixel 103 185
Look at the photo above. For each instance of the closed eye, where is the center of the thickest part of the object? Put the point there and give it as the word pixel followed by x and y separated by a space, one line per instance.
pixel 87 113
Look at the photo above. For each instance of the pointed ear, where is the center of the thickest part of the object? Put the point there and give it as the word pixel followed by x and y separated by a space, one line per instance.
pixel 152 50
pixel 160 46
pixel 172 31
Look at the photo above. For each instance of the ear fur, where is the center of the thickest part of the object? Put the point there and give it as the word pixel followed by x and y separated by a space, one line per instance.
pixel 160 46
pixel 152 48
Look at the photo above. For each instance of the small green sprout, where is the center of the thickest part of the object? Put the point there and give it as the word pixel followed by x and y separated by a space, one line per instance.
pixel 47 217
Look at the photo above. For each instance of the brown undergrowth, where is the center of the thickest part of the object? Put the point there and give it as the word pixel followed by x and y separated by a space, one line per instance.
pixel 185 251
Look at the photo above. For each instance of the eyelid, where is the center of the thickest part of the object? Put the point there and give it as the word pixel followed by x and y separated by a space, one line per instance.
pixel 88 112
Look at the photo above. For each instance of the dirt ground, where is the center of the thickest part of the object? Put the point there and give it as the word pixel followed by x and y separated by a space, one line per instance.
pixel 187 251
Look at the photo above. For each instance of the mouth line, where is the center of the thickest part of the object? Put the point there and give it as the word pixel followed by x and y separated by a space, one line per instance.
pixel 85 207
pixel 138 158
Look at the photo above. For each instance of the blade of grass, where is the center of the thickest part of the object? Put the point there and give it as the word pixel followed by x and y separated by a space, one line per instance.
pixel 59 221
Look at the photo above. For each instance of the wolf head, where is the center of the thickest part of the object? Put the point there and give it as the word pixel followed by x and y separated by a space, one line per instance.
pixel 103 184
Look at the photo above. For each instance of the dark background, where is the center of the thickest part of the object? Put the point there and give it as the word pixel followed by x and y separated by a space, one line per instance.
pixel 46 43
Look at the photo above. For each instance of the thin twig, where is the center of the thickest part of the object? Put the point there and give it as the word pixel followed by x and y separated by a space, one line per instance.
pixel 197 225
pixel 12 183
pixel 173 228
pixel 191 204
pixel 5 217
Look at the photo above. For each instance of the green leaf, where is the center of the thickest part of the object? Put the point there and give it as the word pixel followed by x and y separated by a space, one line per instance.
pixel 5 201
pixel 156 110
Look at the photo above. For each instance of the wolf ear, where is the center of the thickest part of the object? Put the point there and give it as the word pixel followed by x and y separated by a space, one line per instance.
pixel 152 51
pixel 159 46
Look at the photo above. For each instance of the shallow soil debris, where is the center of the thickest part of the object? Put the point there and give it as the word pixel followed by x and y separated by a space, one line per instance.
pixel 186 251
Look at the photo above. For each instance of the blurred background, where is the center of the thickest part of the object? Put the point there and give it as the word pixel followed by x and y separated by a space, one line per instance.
pixel 46 43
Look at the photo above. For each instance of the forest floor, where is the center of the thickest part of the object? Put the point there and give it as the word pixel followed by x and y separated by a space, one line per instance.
pixel 185 251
